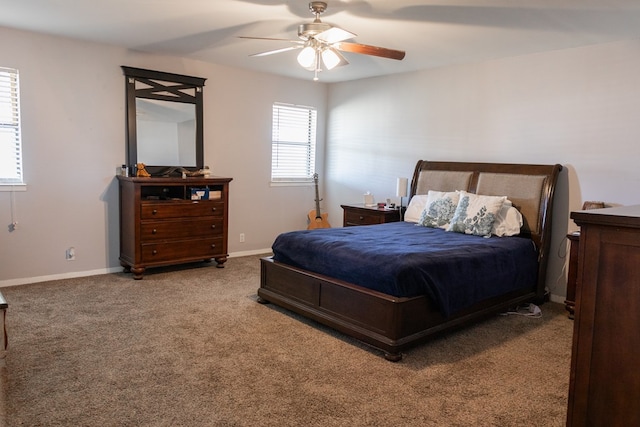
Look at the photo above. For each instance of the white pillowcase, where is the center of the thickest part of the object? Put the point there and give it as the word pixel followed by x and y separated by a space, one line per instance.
pixel 475 214
pixel 439 209
pixel 508 221
pixel 415 208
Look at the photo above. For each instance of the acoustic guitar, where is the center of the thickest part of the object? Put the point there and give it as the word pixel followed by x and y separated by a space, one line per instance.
pixel 317 219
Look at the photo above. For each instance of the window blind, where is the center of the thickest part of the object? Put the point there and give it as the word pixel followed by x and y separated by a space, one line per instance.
pixel 10 141
pixel 293 143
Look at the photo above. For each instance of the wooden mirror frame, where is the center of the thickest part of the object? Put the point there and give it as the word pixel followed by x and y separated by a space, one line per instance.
pixel 166 87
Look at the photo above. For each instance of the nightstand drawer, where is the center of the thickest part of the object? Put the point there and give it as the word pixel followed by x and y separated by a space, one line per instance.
pixel 359 218
pixel 361 215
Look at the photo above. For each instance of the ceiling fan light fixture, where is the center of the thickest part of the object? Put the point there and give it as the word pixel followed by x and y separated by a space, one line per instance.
pixel 323 43
pixel 330 58
pixel 307 57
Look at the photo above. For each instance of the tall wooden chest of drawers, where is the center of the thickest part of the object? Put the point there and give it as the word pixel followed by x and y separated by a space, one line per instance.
pixel 161 223
pixel 604 384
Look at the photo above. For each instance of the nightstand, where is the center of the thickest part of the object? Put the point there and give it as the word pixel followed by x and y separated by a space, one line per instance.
pixel 359 214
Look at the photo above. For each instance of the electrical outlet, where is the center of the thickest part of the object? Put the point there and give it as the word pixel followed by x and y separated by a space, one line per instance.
pixel 70 254
pixel 241 237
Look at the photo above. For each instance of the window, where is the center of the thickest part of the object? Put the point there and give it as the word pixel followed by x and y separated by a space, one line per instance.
pixel 10 143
pixel 293 143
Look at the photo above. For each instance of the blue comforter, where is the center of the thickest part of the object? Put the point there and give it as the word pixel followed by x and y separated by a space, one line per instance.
pixel 405 260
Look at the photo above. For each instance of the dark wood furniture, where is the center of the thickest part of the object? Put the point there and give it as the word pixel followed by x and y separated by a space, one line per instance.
pixel 572 275
pixel 160 224
pixel 171 96
pixel 605 363
pixel 393 324
pixel 3 328
pixel 365 215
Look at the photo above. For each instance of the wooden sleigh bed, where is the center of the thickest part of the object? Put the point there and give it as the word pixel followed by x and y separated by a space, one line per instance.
pixel 394 323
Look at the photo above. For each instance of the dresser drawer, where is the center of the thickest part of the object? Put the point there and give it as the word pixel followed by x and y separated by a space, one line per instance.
pixel 165 230
pixel 181 250
pixel 181 209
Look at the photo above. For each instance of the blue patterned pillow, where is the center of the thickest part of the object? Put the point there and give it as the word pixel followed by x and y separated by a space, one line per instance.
pixel 475 214
pixel 439 209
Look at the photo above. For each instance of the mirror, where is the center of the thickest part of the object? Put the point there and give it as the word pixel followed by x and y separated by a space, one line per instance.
pixel 164 120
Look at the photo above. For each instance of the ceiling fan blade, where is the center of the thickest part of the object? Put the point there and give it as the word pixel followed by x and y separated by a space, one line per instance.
pixel 271 38
pixel 334 35
pixel 298 44
pixel 370 50
pixel 271 52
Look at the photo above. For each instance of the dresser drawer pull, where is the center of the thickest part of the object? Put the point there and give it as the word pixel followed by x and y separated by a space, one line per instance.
pixel 154 231
pixel 213 209
pixel 213 245
pixel 361 218
pixel 213 226
pixel 154 252
pixel 153 212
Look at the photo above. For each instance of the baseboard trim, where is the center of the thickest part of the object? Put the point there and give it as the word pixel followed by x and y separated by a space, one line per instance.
pixel 71 275
pixel 250 253
pixel 74 274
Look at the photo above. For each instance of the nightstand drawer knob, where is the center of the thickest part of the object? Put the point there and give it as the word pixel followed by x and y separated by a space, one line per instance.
pixel 361 217
pixel 213 209
pixel 154 231
pixel 154 252
pixel 155 211
pixel 213 226
pixel 213 245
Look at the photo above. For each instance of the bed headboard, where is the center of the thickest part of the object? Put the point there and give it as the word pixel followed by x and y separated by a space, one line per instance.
pixel 529 187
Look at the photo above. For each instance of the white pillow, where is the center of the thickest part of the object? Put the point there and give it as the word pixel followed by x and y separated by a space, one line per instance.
pixel 508 221
pixel 439 209
pixel 475 214
pixel 415 208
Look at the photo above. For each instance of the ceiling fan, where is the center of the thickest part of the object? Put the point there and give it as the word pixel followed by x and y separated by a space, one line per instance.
pixel 322 43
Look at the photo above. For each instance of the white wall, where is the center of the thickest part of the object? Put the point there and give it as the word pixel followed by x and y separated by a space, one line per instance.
pixel 73 131
pixel 577 107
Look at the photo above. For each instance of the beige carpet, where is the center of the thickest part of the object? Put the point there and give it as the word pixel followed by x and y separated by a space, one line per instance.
pixel 192 347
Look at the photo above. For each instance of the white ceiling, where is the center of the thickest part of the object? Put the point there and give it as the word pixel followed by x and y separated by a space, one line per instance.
pixel 433 33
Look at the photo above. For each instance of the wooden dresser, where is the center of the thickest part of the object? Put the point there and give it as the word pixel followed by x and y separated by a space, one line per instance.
pixel 365 215
pixel 604 387
pixel 160 223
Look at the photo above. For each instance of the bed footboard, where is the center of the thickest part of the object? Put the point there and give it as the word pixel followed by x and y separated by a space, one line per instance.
pixel 387 323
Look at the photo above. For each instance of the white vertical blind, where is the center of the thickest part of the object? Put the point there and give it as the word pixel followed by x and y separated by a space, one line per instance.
pixel 293 143
pixel 10 141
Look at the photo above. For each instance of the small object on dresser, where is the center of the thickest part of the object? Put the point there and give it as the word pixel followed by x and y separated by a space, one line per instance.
pixel 592 205
pixel 141 171
pixel 200 194
pixel 368 199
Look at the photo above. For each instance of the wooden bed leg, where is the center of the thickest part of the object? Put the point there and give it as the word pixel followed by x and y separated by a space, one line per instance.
pixel 393 357
pixel 262 300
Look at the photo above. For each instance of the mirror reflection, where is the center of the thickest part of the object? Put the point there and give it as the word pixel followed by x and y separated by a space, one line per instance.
pixel 166 132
